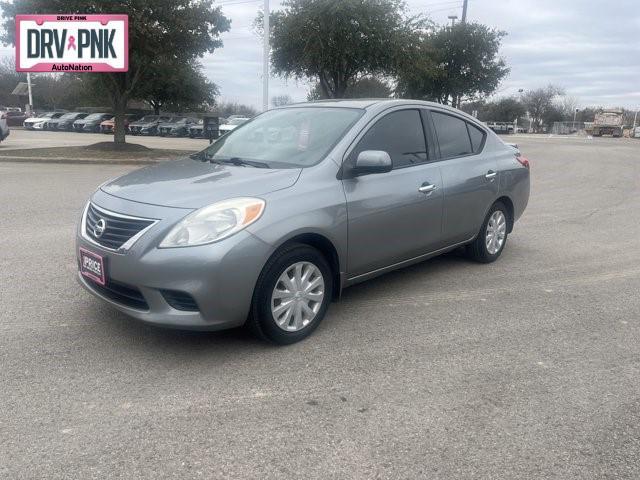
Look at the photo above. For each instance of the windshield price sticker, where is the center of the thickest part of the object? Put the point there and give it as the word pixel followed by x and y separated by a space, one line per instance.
pixel 75 43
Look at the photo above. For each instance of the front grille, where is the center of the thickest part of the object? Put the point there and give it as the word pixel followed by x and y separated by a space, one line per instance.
pixel 117 229
pixel 120 293
pixel 180 300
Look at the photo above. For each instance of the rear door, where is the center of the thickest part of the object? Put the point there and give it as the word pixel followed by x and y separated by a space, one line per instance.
pixel 469 176
pixel 390 218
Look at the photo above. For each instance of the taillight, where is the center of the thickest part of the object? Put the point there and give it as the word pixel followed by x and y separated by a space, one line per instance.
pixel 523 161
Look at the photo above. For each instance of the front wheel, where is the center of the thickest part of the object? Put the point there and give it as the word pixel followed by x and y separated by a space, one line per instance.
pixel 492 238
pixel 292 295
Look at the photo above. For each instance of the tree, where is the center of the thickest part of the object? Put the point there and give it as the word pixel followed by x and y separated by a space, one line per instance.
pixel 281 100
pixel 505 109
pixel 450 64
pixel 365 87
pixel 9 79
pixel 540 104
pixel 178 29
pixel 226 109
pixel 177 87
pixel 335 42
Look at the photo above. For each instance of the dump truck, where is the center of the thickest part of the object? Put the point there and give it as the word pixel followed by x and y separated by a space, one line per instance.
pixel 608 122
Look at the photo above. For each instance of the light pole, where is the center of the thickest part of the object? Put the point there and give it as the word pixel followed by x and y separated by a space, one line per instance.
pixel 635 117
pixel 265 64
pixel 453 19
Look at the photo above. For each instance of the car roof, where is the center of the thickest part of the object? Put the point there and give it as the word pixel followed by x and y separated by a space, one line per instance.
pixel 367 103
pixel 379 104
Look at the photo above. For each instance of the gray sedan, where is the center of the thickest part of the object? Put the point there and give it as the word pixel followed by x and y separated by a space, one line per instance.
pixel 265 227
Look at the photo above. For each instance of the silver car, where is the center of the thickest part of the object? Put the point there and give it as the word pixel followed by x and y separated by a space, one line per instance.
pixel 266 226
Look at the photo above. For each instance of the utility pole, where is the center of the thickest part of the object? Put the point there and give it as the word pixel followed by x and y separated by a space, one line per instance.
pixel 464 11
pixel 265 66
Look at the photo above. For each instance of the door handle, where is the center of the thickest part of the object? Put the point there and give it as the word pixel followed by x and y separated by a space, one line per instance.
pixel 491 175
pixel 427 188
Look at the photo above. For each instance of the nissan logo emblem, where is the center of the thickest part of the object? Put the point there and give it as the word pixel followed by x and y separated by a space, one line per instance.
pixel 99 228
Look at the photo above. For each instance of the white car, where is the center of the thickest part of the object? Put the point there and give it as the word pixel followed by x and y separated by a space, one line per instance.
pixel 635 132
pixel 37 123
pixel 231 124
pixel 4 128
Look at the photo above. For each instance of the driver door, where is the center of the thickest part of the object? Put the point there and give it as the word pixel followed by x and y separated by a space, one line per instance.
pixel 394 216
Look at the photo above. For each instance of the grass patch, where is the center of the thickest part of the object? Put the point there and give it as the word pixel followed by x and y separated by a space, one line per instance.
pixel 99 151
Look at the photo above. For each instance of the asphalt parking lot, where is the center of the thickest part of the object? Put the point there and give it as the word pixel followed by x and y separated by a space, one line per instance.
pixel 527 368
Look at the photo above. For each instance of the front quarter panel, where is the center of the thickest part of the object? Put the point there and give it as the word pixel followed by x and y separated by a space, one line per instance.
pixel 314 205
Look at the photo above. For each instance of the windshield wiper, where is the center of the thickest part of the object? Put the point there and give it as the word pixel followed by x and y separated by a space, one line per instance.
pixel 240 162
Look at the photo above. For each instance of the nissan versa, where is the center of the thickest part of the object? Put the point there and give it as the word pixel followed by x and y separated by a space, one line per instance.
pixel 266 226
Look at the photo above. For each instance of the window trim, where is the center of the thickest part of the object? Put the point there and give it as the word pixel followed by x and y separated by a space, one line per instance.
pixel 452 114
pixel 365 129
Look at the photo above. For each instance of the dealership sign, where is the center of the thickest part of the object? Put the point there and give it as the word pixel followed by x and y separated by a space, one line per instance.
pixel 72 43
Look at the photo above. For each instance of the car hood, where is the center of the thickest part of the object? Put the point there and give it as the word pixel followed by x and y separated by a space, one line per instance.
pixel 172 125
pixel 146 124
pixel 189 183
pixel 39 119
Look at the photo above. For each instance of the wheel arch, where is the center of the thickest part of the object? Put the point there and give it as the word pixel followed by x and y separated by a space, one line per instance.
pixel 506 201
pixel 328 250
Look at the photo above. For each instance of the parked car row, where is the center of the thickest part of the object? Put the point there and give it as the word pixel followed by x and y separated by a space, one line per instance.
pixel 162 125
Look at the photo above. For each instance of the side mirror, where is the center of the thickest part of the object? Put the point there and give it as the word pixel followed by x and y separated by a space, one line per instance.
pixel 372 161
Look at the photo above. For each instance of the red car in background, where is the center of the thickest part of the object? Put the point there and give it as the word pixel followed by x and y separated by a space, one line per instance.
pixel 108 125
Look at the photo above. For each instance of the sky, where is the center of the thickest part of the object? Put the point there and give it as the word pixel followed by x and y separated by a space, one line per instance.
pixel 590 48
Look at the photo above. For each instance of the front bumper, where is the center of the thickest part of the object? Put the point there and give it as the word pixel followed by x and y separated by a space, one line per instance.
pixel 220 277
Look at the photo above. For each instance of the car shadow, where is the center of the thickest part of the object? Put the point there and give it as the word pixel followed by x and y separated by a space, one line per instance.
pixel 133 334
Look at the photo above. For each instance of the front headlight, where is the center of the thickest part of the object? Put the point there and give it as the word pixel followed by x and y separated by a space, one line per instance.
pixel 214 222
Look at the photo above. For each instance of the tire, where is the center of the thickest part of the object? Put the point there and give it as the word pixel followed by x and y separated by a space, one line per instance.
pixel 262 321
pixel 478 250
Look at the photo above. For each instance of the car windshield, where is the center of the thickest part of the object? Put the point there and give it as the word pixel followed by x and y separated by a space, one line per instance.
pixel 285 138
pixel 67 116
pixel 94 116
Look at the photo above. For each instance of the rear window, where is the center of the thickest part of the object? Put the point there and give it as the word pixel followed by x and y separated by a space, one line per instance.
pixel 453 136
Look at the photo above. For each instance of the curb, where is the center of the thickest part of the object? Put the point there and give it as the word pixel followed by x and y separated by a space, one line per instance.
pixel 80 161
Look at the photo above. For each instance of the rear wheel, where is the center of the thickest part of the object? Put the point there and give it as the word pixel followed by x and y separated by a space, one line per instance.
pixel 492 238
pixel 292 295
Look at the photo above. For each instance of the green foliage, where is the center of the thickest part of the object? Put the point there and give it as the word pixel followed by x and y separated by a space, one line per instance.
pixel 9 79
pixel 505 109
pixel 337 41
pixel 365 87
pixel 180 87
pixel 453 63
pixel 179 30
pixel 226 109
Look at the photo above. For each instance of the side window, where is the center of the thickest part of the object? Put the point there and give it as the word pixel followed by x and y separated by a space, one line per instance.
pixel 453 136
pixel 477 137
pixel 400 134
